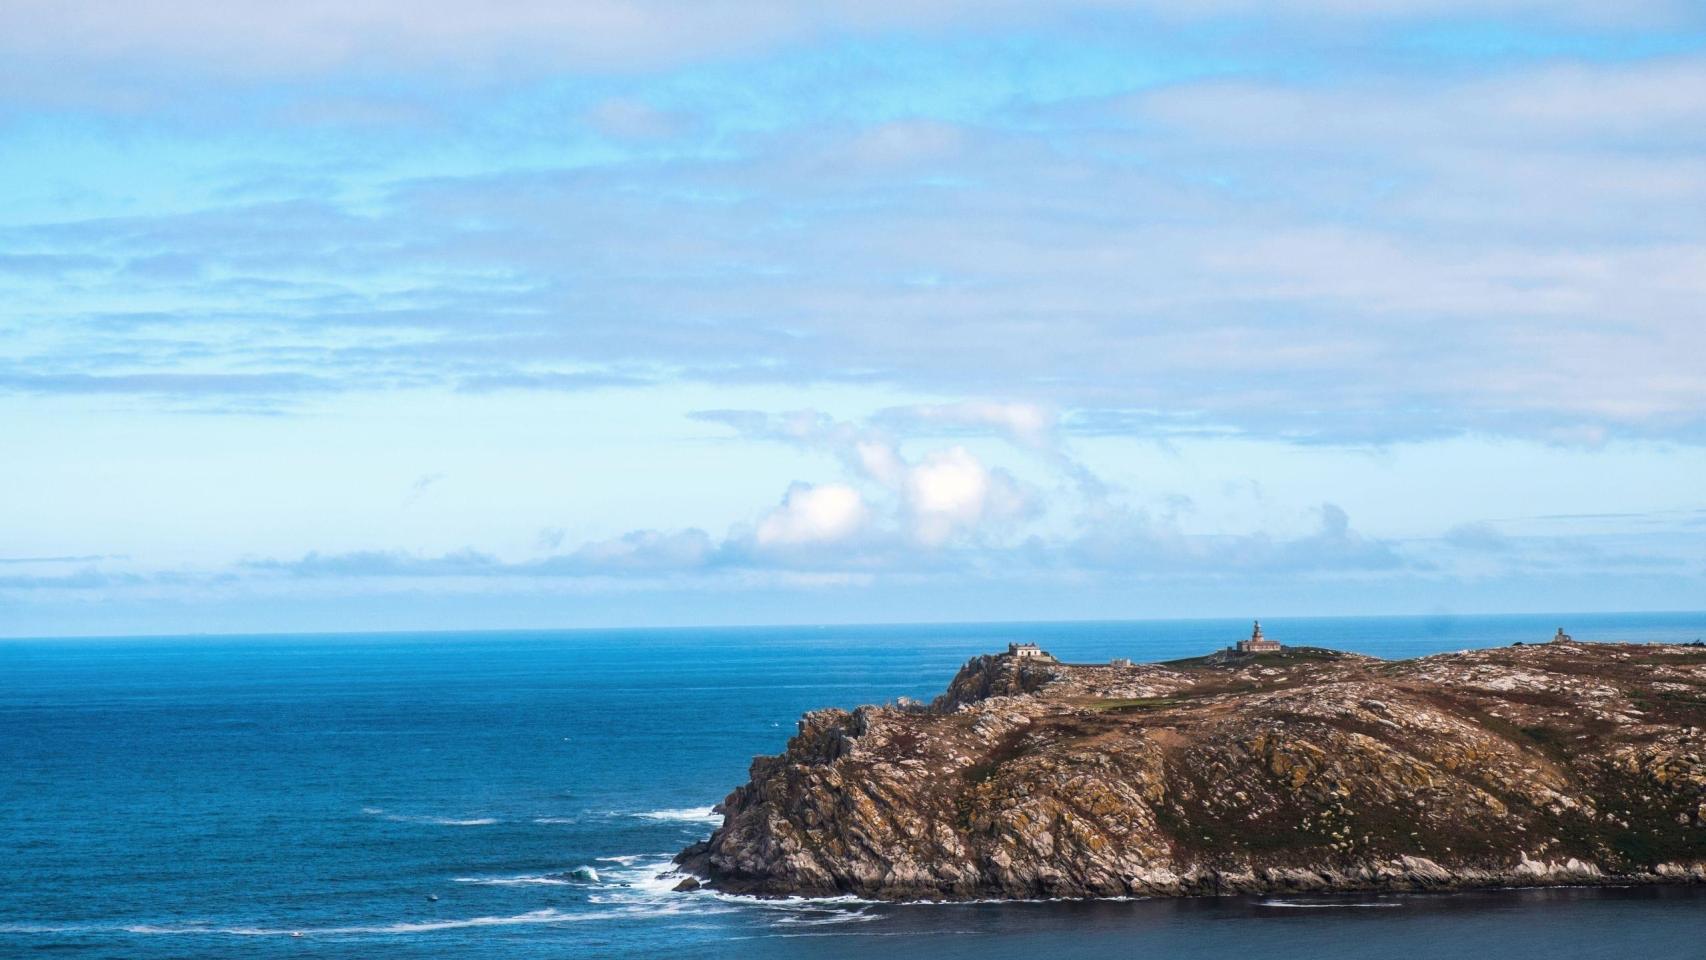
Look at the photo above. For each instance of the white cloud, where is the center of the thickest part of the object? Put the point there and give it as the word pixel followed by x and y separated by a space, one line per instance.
pixel 943 496
pixel 951 493
pixel 880 461
pixel 814 514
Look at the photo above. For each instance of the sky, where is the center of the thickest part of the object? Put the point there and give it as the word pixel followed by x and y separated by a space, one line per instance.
pixel 394 316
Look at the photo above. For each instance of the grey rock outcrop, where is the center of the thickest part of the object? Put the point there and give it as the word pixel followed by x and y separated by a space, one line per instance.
pixel 1305 770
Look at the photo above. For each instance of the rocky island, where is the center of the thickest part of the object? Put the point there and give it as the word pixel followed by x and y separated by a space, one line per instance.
pixel 1248 771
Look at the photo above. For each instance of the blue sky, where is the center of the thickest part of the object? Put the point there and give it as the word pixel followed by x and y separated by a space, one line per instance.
pixel 393 316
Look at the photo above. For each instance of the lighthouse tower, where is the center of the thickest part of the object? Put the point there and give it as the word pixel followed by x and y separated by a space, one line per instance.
pixel 1258 643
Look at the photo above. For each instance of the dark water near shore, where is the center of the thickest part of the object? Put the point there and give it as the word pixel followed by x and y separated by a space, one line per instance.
pixel 201 797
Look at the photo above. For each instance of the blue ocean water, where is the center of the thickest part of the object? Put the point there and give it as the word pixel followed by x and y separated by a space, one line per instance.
pixel 433 795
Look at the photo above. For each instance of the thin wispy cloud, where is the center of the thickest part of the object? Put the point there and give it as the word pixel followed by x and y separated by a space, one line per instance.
pixel 1442 288
pixel 422 484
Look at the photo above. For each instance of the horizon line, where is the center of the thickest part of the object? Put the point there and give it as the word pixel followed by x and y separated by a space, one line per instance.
pixel 678 628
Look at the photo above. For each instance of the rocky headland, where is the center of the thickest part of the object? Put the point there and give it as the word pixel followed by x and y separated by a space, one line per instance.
pixel 1299 770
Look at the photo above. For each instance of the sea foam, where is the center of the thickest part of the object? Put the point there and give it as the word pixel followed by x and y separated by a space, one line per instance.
pixel 683 815
pixel 543 916
pixel 430 820
pixel 407 926
pixel 1322 904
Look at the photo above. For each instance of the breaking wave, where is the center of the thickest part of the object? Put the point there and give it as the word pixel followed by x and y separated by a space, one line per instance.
pixel 622 887
pixel 434 821
pixel 579 876
pixel 546 880
pixel 683 815
pixel 846 916
pixel 1322 904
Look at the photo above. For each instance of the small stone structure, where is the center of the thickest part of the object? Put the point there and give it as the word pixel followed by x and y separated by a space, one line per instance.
pixel 1562 637
pixel 1258 643
pixel 1027 651
pixel 1121 662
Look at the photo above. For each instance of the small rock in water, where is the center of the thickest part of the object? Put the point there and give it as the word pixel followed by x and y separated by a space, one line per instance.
pixel 689 883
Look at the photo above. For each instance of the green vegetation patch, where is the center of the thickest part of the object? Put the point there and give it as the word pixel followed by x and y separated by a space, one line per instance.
pixel 1550 737
pixel 1670 658
pixel 1299 655
pixel 1011 747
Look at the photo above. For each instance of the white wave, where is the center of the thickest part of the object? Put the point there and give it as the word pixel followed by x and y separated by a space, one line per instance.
pixel 545 916
pixel 1322 904
pixel 850 916
pixel 434 821
pixel 841 934
pixel 653 878
pixel 631 886
pixel 579 876
pixel 648 881
pixel 683 815
pixel 840 899
pixel 418 926
pixel 651 874
pixel 47 928
pixel 556 819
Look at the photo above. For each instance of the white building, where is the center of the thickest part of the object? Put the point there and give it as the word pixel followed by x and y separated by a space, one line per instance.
pixel 1027 651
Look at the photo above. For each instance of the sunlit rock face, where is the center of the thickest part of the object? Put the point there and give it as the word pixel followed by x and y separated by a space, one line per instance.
pixel 1303 769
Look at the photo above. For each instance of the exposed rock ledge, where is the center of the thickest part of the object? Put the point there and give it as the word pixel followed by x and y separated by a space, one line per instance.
pixel 1568 763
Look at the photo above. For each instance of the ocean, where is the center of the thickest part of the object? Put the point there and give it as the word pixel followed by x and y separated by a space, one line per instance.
pixel 513 795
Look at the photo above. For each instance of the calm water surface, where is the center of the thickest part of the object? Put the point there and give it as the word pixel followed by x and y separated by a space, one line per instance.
pixel 434 795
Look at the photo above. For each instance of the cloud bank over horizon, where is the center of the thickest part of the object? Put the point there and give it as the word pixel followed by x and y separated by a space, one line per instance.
pixel 608 311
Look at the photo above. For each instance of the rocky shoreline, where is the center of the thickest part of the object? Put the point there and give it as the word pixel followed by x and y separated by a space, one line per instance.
pixel 1303 770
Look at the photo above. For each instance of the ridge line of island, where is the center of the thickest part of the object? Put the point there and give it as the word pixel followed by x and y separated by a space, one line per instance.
pixel 1260 768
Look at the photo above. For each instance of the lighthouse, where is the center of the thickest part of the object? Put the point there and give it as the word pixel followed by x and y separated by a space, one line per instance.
pixel 1258 643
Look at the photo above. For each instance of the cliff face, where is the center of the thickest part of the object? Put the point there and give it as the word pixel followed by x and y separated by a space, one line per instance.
pixel 1300 770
